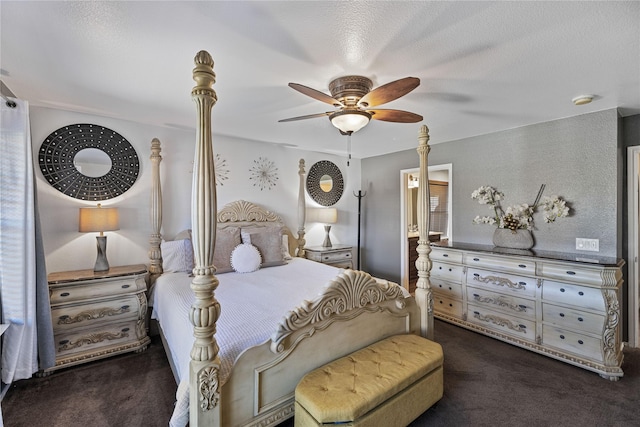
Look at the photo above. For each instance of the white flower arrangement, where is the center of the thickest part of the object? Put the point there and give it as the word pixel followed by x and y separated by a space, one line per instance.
pixel 517 217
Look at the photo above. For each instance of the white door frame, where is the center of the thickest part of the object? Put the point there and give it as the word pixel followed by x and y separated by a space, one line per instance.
pixel 404 232
pixel 633 276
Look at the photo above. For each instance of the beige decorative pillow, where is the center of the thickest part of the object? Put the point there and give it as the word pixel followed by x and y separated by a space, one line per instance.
pixel 226 240
pixel 269 243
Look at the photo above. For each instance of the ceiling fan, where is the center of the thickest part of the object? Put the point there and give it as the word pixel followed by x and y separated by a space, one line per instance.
pixel 353 97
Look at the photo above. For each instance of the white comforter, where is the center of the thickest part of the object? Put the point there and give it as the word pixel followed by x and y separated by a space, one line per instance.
pixel 252 304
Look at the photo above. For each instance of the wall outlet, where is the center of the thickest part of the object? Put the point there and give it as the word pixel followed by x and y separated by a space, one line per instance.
pixel 588 245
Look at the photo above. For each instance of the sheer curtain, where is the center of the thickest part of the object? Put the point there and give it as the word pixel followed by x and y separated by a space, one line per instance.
pixel 23 285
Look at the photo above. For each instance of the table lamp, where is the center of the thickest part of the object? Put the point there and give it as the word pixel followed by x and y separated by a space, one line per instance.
pixel 327 216
pixel 99 219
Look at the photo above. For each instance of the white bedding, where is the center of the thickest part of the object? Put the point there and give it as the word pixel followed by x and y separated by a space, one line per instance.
pixel 252 304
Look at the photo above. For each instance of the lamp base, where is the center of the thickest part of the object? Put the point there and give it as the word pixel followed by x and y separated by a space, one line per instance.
pixel 101 261
pixel 327 240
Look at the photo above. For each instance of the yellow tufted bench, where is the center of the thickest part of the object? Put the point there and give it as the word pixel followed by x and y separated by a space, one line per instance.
pixel 389 383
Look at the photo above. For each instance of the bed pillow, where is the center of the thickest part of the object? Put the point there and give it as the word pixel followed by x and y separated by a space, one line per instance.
pixel 245 258
pixel 226 241
pixel 177 256
pixel 269 243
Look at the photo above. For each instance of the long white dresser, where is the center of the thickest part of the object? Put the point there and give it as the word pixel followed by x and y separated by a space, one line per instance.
pixel 565 306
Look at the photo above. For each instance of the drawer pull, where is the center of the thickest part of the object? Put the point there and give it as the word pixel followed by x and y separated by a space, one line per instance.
pixel 561 337
pixel 445 255
pixel 450 288
pixel 561 289
pixel 63 317
pixel 449 269
pixel 561 314
pixel 580 319
pixel 580 342
pixel 64 294
pixel 125 329
pixel 476 259
pixel 477 313
pixel 450 305
pixel 439 268
pixel 522 306
pixel 571 273
pixel 523 326
pixel 125 307
pixel 125 286
pixel 63 342
pixel 476 275
pixel 522 266
pixel 326 257
pixel 522 283
pixel 476 296
pixel 581 293
pixel 440 286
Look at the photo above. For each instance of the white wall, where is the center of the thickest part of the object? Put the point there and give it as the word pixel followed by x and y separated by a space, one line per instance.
pixel 68 249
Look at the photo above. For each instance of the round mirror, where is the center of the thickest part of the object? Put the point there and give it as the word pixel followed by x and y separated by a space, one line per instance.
pixel 88 162
pixel 324 183
pixel 92 162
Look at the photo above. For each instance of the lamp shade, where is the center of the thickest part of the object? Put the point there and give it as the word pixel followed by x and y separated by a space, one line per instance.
pixel 349 121
pixel 323 215
pixel 98 219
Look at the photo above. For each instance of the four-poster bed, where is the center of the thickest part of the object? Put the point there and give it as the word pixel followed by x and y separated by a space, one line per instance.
pixel 341 310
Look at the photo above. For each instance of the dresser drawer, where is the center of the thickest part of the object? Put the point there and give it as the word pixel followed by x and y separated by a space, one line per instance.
pixel 508 304
pixel 576 295
pixel 76 316
pixel 565 317
pixel 107 335
pixel 573 273
pixel 444 288
pixel 438 254
pixel 80 291
pixel 573 342
pixel 519 266
pixel 502 282
pixel 446 305
pixel 446 271
pixel 511 325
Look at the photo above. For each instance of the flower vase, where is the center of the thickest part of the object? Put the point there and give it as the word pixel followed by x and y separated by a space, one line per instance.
pixel 514 239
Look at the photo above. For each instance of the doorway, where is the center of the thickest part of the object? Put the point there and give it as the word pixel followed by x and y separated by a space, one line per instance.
pixel 633 276
pixel 408 216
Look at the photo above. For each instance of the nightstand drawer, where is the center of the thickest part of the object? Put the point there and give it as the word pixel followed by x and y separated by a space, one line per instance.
pixel 90 340
pixel 336 256
pixel 89 315
pixel 82 291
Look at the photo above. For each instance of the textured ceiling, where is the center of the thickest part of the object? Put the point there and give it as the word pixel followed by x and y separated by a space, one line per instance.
pixel 484 66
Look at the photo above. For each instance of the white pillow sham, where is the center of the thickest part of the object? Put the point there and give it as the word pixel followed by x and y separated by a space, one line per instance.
pixel 245 258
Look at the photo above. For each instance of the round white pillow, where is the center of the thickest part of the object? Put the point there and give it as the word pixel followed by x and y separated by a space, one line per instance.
pixel 245 258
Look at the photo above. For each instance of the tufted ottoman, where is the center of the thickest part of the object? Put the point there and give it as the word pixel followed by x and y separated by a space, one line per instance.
pixel 389 383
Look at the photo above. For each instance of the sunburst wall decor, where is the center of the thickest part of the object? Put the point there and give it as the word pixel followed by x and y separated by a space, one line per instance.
pixel 264 173
pixel 222 171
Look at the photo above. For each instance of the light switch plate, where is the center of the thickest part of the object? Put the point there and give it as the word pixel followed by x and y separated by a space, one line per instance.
pixel 592 245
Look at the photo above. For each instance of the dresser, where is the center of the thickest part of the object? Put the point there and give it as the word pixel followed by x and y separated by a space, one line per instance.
pixel 336 255
pixel 98 314
pixel 565 306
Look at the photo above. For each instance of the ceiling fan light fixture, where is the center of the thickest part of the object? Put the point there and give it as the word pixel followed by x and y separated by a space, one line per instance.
pixel 349 121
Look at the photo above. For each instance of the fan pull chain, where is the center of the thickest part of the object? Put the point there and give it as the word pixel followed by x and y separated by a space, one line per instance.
pixel 348 148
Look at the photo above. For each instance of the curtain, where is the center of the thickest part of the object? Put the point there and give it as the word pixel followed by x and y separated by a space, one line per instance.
pixel 23 284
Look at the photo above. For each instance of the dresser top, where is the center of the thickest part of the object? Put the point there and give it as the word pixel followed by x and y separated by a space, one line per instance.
pixel 77 275
pixel 586 258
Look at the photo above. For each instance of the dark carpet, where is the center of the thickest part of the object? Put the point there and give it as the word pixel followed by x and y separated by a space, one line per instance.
pixel 486 383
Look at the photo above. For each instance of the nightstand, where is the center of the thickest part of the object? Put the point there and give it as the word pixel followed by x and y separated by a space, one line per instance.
pixel 98 314
pixel 336 255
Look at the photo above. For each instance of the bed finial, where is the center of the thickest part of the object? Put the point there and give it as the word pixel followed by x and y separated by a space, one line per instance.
pixel 301 211
pixel 424 298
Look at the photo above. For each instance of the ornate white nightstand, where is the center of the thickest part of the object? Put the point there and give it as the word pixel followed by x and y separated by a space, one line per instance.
pixel 336 255
pixel 97 315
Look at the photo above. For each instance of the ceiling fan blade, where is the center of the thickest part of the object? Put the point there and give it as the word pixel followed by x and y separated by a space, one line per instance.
pixel 310 116
pixel 316 94
pixel 395 116
pixel 389 92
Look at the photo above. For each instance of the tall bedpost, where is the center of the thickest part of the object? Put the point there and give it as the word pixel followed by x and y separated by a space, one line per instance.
pixel 301 210
pixel 155 256
pixel 204 394
pixel 423 295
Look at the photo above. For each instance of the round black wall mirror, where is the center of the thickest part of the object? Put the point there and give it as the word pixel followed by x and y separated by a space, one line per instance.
pixel 324 183
pixel 88 162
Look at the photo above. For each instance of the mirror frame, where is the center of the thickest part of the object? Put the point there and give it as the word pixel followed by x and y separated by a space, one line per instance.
pixel 317 171
pixel 56 160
